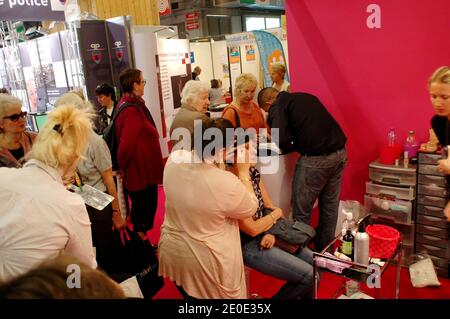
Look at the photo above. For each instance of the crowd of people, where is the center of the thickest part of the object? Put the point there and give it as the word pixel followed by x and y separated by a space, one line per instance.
pixel 218 212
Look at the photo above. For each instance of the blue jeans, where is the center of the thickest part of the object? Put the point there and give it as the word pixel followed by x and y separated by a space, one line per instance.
pixel 296 269
pixel 319 177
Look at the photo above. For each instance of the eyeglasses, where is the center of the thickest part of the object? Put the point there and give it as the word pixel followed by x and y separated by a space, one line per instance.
pixel 16 117
pixel 144 81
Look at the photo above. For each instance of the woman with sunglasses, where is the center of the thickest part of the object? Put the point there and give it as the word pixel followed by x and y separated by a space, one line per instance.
pixel 15 142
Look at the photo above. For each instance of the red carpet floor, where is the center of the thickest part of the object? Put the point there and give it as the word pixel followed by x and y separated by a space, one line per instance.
pixel 266 286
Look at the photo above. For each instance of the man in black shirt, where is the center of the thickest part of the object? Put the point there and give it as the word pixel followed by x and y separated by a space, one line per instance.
pixel 307 127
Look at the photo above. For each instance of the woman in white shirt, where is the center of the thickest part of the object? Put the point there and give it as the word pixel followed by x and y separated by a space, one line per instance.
pixel 199 248
pixel 278 71
pixel 39 218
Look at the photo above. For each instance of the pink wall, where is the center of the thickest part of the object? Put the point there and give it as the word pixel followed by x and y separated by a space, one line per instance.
pixel 369 79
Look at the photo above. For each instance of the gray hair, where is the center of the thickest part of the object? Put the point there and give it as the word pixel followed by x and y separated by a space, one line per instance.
pixel 244 80
pixel 279 67
pixel 7 102
pixel 191 91
pixel 75 99
pixel 441 75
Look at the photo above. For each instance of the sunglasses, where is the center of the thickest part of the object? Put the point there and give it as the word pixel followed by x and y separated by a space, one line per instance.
pixel 16 117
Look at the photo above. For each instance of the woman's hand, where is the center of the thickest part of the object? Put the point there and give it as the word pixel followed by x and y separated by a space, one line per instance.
pixel 117 219
pixel 444 166
pixel 447 211
pixel 267 241
pixel 276 213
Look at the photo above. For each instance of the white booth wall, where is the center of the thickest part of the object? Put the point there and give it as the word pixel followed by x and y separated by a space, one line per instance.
pixel 202 58
pixel 159 95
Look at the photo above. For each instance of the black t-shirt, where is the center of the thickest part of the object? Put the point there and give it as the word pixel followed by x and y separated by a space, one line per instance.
pixel 18 153
pixel 304 125
pixel 441 127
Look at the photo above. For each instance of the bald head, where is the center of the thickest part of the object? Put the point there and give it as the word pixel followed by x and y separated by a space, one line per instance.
pixel 266 97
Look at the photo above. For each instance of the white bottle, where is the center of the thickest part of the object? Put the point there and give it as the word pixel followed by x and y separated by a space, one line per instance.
pixel 362 241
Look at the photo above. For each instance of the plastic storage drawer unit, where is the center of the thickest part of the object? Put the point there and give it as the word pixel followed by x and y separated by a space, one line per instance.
pixel 392 175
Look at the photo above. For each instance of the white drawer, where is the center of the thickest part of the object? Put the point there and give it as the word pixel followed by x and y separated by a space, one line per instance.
pixel 398 211
pixel 390 191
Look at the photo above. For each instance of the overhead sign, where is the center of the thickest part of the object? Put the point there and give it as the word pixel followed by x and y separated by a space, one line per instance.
pixel 192 21
pixel 164 7
pixel 32 10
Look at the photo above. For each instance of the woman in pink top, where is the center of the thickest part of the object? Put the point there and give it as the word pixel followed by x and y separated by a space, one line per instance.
pixel 199 248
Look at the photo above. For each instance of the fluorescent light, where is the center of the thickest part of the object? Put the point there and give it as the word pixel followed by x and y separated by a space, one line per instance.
pixel 218 15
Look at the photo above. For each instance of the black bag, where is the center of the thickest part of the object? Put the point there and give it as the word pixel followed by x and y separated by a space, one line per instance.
pixel 293 232
pixel 136 257
pixel 109 134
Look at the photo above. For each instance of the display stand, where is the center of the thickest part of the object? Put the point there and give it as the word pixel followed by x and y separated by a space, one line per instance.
pixel 353 271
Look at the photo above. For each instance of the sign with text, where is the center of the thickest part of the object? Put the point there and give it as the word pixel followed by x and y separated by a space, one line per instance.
pixel 32 10
pixel 192 21
pixel 164 7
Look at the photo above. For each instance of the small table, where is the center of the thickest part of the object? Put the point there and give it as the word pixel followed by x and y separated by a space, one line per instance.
pixel 354 271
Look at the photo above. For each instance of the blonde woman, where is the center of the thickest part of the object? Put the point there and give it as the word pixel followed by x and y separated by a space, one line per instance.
pixel 40 218
pixel 15 142
pixel 439 89
pixel 243 111
pixel 277 73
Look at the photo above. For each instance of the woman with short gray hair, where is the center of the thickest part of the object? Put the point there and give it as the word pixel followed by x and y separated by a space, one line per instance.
pixel 15 142
pixel 194 104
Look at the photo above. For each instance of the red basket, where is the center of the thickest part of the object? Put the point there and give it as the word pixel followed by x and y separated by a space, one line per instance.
pixel 383 240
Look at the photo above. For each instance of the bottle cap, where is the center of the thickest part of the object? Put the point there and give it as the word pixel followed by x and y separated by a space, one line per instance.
pixel 361 228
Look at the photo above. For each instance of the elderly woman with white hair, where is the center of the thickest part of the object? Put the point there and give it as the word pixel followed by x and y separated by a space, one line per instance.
pixel 95 169
pixel 243 111
pixel 194 104
pixel 15 142
pixel 40 218
pixel 277 73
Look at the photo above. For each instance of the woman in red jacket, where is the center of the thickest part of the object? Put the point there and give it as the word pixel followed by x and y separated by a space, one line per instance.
pixel 139 153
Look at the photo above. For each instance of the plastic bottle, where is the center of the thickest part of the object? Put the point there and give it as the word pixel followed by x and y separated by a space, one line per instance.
pixel 347 244
pixel 411 145
pixel 391 137
pixel 362 241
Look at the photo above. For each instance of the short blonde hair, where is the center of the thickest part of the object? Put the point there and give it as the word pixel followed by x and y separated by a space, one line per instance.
pixel 64 137
pixel 441 75
pixel 244 80
pixel 191 91
pixel 7 102
pixel 279 67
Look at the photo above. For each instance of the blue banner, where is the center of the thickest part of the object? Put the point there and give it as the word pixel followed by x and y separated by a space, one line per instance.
pixel 270 51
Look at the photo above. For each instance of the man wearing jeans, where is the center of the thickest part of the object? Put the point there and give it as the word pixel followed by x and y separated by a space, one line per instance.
pixel 306 126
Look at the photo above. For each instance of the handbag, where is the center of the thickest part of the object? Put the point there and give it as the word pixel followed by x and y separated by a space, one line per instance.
pixel 290 232
pixel 136 257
